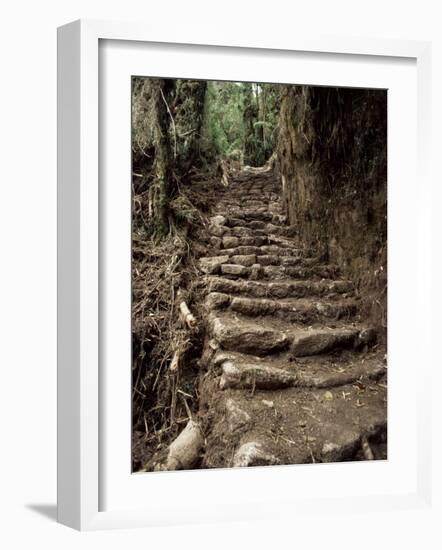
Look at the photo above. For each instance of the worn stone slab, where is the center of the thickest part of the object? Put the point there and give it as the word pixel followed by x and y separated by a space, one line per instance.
pixel 230 242
pixel 234 269
pixel 323 340
pixel 217 230
pixel 241 231
pixel 246 260
pixel 259 376
pixel 217 300
pixel 216 242
pixel 253 241
pixel 218 220
pixel 295 310
pixel 279 289
pixel 253 453
pixel 233 334
pixel 256 224
pixel 211 265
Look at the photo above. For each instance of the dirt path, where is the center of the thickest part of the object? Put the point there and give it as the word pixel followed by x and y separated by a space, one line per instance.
pixel 292 373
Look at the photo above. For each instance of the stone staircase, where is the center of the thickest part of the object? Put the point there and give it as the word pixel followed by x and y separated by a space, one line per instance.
pixel 292 372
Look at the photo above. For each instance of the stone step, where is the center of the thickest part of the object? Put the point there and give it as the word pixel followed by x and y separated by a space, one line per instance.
pixel 279 289
pixel 247 337
pixel 285 259
pixel 255 224
pixel 269 229
pixel 258 272
pixel 272 259
pixel 317 341
pixel 261 250
pixel 295 310
pixel 276 219
pixel 212 264
pixel 239 231
pixel 242 335
pixel 232 242
pixel 299 272
pixel 285 241
pixel 240 373
pixel 221 226
pixel 246 231
pixel 250 197
pixel 241 205
pixel 253 193
pixel 251 202
pixel 249 214
pixel 261 212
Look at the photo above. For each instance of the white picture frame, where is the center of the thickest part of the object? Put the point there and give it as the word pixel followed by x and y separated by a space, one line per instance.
pixel 79 293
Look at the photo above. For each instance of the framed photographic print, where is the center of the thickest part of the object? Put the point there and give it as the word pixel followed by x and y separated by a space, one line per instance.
pixel 231 216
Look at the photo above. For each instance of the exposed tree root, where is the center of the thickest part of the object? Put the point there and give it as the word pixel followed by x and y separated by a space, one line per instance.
pixel 185 451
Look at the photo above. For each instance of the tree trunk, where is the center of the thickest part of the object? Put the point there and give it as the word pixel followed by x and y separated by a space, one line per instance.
pixel 189 111
pixel 249 117
pixel 163 156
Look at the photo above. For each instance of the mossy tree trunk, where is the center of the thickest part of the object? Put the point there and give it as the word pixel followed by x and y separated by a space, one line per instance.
pixel 262 117
pixel 188 108
pixel 249 115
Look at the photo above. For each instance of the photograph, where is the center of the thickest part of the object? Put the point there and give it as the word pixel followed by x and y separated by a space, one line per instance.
pixel 222 226
pixel 258 274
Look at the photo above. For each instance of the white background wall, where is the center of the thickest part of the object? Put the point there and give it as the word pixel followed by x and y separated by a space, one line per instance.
pixel 28 268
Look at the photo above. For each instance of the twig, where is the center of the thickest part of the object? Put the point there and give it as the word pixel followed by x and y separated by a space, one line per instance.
pixel 173 402
pixel 175 363
pixel 188 411
pixel 186 314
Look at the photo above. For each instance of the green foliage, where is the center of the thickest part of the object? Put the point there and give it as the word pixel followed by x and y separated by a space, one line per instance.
pixel 182 126
pixel 224 130
pixel 240 121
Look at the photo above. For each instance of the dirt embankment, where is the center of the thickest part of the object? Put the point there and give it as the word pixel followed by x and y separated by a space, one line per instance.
pixel 332 159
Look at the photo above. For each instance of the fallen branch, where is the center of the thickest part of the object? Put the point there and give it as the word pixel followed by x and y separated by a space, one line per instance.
pixel 186 315
pixel 185 451
pixel 175 363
